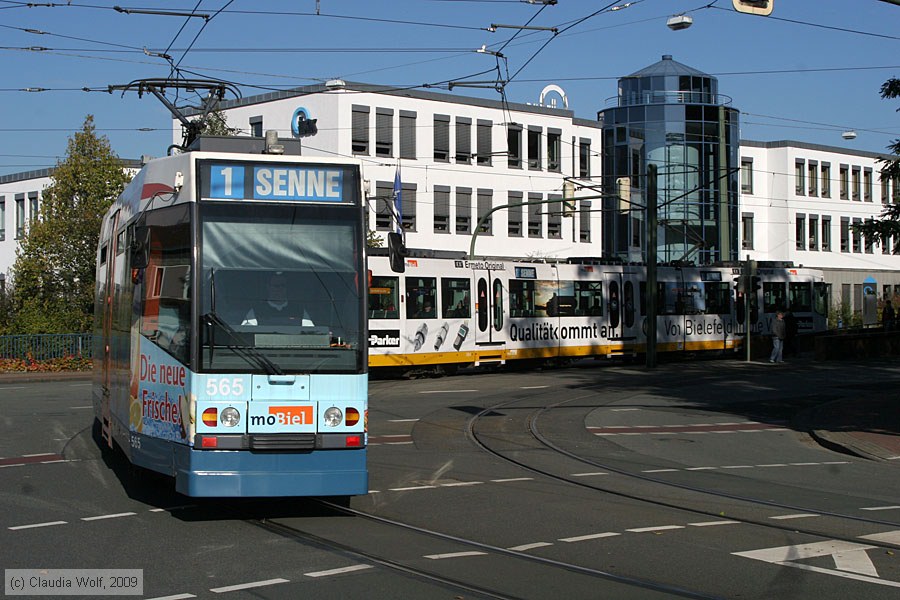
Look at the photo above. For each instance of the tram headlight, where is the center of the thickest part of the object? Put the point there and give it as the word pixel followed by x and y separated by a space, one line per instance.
pixel 333 416
pixel 230 417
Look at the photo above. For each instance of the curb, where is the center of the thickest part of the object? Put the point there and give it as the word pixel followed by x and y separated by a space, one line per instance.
pixel 38 376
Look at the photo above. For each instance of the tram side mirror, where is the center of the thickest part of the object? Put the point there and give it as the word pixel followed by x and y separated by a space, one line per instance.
pixel 140 247
pixel 396 252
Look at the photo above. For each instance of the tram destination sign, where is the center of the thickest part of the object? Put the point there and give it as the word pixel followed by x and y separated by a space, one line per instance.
pixel 277 182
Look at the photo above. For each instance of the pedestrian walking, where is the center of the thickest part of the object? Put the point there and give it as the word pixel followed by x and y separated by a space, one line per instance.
pixel 779 331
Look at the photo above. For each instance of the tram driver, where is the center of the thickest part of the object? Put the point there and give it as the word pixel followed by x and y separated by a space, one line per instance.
pixel 277 308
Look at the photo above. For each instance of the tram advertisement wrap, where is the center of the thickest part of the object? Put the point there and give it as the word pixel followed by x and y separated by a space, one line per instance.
pixel 163 396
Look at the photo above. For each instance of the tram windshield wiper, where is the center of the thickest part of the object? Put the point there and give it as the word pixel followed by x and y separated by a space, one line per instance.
pixel 248 353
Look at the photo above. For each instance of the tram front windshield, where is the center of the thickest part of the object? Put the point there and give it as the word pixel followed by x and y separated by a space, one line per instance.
pixel 279 289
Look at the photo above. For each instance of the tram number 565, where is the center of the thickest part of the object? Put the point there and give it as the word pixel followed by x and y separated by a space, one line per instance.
pixel 224 386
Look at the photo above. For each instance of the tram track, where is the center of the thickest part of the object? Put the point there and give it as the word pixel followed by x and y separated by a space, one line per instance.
pixel 695 496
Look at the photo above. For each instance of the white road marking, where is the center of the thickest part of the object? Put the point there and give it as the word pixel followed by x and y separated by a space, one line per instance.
pixel 891 537
pixel 512 479
pixel 738 467
pixel 175 597
pixel 409 489
pixel 654 529
pixel 247 586
pixel 774 465
pixel 41 454
pixel 338 571
pixel 33 525
pixel 402 420
pixel 80 384
pixel 624 409
pixel 454 555
pixel 115 516
pixel 881 508
pixel 22 387
pixel 461 483
pixel 73 407
pixel 525 547
pixel 448 391
pixel 587 474
pixel 714 523
pixel 701 468
pixel 533 387
pixel 592 536
pixel 795 516
pixel 661 471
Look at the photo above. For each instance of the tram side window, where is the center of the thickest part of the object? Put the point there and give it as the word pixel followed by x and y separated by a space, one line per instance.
pixel 521 298
pixel 166 311
pixel 676 298
pixel 774 296
pixel 718 298
pixel 800 297
pixel 421 298
pixel 383 298
pixel 589 298
pixel 455 298
pixel 821 297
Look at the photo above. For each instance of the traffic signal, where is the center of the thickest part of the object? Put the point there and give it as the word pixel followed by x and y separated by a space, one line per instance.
pixel 396 252
pixel 740 284
pixel 755 283
pixel 568 204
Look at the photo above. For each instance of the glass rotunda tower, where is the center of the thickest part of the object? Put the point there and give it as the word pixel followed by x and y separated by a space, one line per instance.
pixel 671 115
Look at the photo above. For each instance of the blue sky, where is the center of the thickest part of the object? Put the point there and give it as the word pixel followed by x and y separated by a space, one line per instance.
pixel 809 72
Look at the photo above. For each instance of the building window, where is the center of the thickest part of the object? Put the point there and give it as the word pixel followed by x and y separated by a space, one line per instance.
pixel 855 183
pixel 485 204
pixel 535 217
pixel 554 150
pixel 463 140
pixel 867 185
pixel 256 126
pixel 584 220
pixel 813 178
pixel 885 188
pixel 554 217
pixel 813 232
pixel 32 207
pixel 826 180
pixel 845 234
pixel 463 210
pixel 746 175
pixel 407 135
pixel 384 132
pixel 845 182
pixel 584 159
pixel 895 185
pixel 20 216
pixel 800 177
pixel 360 125
pixel 826 234
pixel 485 145
pixel 441 138
pixel 857 237
pixel 800 231
pixel 2 218
pixel 747 231
pixel 868 243
pixel 408 206
pixel 441 209
pixel 534 148
pixel 514 214
pixel 886 245
pixel 384 203
pixel 514 146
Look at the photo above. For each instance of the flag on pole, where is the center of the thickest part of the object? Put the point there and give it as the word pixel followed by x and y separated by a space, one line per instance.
pixel 398 204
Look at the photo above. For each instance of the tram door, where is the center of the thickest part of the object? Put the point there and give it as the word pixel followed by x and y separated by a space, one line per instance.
pixel 622 301
pixel 108 255
pixel 489 312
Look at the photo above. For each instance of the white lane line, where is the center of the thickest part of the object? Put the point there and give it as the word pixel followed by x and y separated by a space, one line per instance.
pixel 50 462
pixel 533 387
pixel 340 571
pixel 22 387
pixel 409 489
pixel 795 516
pixel 526 547
pixel 41 454
pixel 891 537
pixel 838 462
pixel 701 468
pixel 587 474
pixel 397 435
pixel 461 483
pixel 624 409
pixel 591 536
pixel 661 471
pixel 774 465
pixel 115 516
pixel 512 479
pixel 806 464
pixel 738 467
pixel 175 597
pixel 12 465
pixel 881 507
pixel 402 420
pixel 247 586
pixel 73 407
pixel 34 525
pixel 448 391
pixel 394 444
pixel 714 523
pixel 654 529
pixel 80 384
pixel 454 555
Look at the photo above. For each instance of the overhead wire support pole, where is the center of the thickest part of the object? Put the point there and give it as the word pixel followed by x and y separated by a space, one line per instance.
pixel 651 266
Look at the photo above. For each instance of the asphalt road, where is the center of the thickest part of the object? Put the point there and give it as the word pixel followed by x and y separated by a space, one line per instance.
pixel 588 482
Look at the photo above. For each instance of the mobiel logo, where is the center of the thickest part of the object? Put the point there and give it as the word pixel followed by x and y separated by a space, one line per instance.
pixel 285 415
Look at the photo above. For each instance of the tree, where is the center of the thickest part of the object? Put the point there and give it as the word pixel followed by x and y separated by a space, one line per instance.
pixel 217 124
pixel 887 225
pixel 53 275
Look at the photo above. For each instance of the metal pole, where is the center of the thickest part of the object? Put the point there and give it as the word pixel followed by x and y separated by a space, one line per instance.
pixel 745 275
pixel 651 266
